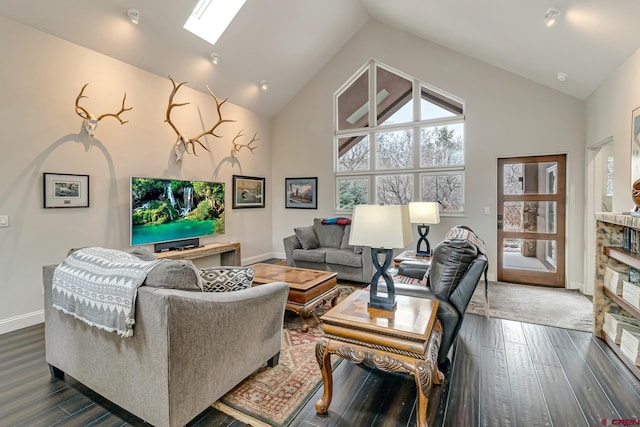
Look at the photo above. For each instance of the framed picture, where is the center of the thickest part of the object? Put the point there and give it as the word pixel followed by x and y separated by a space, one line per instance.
pixel 635 145
pixel 301 193
pixel 248 192
pixel 62 190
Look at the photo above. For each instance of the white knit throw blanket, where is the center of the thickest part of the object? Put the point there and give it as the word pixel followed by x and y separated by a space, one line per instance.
pixel 99 286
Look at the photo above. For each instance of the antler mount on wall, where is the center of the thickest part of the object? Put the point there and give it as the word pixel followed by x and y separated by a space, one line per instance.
pixel 90 121
pixel 184 144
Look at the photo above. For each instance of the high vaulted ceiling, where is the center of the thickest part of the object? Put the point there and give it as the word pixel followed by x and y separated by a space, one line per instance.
pixel 287 41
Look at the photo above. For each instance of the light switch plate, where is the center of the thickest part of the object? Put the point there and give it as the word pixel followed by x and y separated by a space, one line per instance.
pixel 4 220
pixel 487 210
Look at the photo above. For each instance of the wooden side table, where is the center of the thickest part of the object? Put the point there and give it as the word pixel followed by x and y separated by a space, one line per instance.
pixel 406 340
pixel 409 256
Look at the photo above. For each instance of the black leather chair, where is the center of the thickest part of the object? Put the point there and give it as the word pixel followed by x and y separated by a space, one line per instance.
pixel 457 266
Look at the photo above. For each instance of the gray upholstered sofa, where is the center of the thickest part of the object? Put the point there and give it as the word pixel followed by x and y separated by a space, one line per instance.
pixel 326 247
pixel 188 348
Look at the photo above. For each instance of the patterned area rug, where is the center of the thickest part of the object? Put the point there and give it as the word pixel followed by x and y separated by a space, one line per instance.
pixel 274 396
pixel 561 308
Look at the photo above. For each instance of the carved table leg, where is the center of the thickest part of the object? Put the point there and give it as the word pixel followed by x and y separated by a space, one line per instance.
pixel 423 385
pixel 304 316
pixel 324 361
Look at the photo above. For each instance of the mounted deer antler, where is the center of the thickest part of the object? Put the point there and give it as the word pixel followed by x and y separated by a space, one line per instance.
pixel 90 121
pixel 183 143
pixel 237 147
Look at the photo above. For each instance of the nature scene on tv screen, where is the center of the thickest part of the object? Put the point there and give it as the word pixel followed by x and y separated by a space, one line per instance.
pixel 167 209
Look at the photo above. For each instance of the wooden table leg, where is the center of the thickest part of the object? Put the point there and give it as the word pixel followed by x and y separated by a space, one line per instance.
pixel 423 385
pixel 324 361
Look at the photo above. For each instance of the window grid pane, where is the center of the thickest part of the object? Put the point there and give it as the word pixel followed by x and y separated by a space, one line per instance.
pixel 441 146
pixel 394 150
pixel 352 191
pixel 445 189
pixel 353 153
pixel 394 189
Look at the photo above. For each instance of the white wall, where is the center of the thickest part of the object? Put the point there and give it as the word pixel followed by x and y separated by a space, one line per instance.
pixel 40 77
pixel 608 114
pixel 506 115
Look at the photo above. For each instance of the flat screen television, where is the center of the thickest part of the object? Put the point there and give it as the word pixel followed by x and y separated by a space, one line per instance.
pixel 174 211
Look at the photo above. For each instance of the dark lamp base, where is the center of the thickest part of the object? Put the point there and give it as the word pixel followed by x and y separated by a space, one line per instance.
pixel 382 301
pixel 424 253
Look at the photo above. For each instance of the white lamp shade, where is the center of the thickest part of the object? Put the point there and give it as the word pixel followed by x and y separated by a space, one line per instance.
pixel 424 212
pixel 380 226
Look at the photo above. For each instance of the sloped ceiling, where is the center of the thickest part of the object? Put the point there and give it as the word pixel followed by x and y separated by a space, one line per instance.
pixel 287 41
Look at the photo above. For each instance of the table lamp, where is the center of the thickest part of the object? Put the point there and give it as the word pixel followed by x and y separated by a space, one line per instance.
pixel 383 228
pixel 423 214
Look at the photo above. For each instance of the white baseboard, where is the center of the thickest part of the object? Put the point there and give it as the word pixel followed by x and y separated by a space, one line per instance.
pixel 23 321
pixel 259 258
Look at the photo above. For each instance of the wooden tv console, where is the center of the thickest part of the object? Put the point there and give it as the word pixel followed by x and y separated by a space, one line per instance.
pixel 229 253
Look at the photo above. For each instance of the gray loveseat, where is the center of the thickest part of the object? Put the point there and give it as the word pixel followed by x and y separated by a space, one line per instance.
pixel 326 247
pixel 188 348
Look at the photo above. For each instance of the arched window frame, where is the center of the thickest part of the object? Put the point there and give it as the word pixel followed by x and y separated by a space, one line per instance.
pixel 373 180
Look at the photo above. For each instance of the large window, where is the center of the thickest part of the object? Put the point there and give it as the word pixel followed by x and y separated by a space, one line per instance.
pixel 397 140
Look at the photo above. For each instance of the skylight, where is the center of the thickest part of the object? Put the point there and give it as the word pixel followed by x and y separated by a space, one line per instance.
pixel 210 18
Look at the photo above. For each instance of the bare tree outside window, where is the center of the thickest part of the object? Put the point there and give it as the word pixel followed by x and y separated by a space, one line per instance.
pixel 394 150
pixel 394 189
pixel 444 189
pixel 357 157
pixel 441 146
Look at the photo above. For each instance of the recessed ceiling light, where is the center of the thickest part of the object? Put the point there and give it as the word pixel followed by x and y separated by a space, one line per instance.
pixel 562 77
pixel 134 15
pixel 264 85
pixel 210 18
pixel 551 16
pixel 215 58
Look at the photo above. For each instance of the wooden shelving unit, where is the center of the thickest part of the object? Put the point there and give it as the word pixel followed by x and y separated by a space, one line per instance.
pixel 609 230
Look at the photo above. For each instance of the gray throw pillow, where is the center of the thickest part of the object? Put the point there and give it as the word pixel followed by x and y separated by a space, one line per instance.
pixel 174 274
pixel 307 237
pixel 144 254
pixel 226 279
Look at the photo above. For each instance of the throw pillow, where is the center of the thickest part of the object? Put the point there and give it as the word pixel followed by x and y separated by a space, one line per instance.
pixel 174 274
pixel 307 237
pixel 144 254
pixel 225 279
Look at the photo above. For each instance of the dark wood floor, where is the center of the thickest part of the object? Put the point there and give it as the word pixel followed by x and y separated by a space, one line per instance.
pixel 505 374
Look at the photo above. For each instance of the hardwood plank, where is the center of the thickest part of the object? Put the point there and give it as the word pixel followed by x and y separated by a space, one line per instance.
pixel 614 381
pixel 539 346
pixel 473 326
pixel 399 402
pixel 559 338
pixel 564 409
pixel 529 406
pixel 512 332
pixel 587 390
pixel 48 417
pixel 496 406
pixel 618 364
pixel 492 336
pixel 348 378
pixel 463 406
pixel 30 409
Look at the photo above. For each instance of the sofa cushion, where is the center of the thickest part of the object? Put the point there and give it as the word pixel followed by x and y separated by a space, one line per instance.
pixel 174 274
pixel 344 257
pixel 311 255
pixel 329 235
pixel 307 237
pixel 226 279
pixel 345 241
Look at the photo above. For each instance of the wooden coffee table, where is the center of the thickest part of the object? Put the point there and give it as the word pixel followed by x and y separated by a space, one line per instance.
pixel 308 289
pixel 406 340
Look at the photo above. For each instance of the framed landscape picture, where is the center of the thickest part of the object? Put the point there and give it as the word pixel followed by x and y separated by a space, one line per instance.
pixel 248 192
pixel 301 193
pixel 63 190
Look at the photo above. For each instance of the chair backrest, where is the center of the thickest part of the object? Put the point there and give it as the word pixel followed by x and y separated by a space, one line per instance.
pixel 456 267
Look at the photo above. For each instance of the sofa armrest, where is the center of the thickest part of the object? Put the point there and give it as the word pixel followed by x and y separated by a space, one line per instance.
pixel 290 243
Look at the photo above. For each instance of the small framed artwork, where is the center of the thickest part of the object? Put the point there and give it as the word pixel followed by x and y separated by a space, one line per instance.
pixel 248 192
pixel 635 145
pixel 301 193
pixel 62 190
